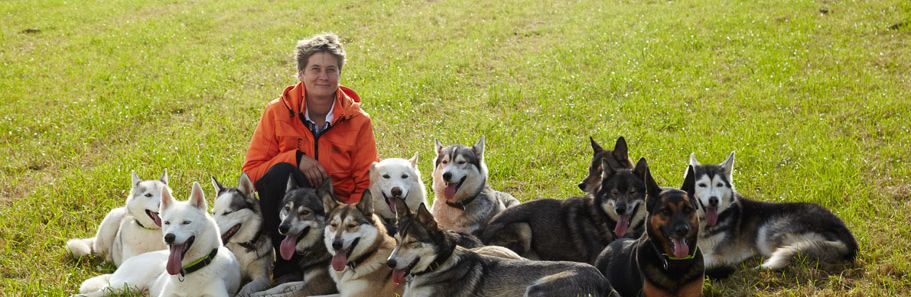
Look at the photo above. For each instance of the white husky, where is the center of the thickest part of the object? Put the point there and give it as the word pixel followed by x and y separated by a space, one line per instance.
pixel 396 178
pixel 131 230
pixel 239 218
pixel 197 263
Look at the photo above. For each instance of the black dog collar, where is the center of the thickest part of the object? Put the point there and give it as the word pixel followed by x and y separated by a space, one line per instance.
pixel 199 263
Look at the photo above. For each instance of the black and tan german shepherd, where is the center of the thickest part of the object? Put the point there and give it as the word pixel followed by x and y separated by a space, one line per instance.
pixel 665 261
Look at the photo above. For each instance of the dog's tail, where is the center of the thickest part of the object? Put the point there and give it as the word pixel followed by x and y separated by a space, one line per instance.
pixel 826 251
pixel 80 247
pixel 95 284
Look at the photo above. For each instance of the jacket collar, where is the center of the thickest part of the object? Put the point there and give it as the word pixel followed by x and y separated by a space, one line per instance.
pixel 347 102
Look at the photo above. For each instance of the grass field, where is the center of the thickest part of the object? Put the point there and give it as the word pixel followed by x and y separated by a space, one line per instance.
pixel 814 96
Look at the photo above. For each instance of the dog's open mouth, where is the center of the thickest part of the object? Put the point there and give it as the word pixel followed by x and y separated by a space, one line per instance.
pixel 622 225
pixel 680 248
pixel 390 202
pixel 289 244
pixel 230 233
pixel 175 259
pixel 398 275
pixel 711 216
pixel 154 216
pixel 452 188
pixel 340 259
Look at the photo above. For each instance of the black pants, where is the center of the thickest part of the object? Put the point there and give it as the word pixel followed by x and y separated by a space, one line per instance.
pixel 271 188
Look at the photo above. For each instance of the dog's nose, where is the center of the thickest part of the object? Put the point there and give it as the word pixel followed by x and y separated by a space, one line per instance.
pixel 396 191
pixel 169 238
pixel 713 201
pixel 391 263
pixel 337 245
pixel 447 176
pixel 682 230
pixel 282 229
pixel 620 208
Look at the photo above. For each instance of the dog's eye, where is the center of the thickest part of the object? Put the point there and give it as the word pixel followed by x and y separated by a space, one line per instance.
pixel 404 176
pixel 687 210
pixel 702 185
pixel 185 223
pixel 305 212
pixel 333 225
pixel 614 192
pixel 386 176
pixel 149 195
pixel 666 212
pixel 167 222
pixel 632 191
pixel 444 162
pixel 351 226
pixel 461 162
pixel 414 244
pixel 226 212
pixel 720 185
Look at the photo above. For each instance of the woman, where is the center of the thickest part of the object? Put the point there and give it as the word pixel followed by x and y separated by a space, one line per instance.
pixel 315 131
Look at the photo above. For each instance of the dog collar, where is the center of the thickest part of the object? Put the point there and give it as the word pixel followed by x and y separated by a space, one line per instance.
pixel 199 263
pixel 143 226
pixel 461 204
pixel 251 245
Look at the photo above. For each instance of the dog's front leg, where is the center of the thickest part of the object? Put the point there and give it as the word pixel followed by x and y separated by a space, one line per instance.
pixel 104 239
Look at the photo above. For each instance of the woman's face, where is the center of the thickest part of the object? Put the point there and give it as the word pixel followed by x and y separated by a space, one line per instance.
pixel 321 75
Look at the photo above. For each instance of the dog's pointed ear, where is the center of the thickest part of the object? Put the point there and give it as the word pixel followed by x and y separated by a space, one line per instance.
pixel 292 184
pixel 135 178
pixel 595 146
pixel 401 209
pixel 166 200
pixel 693 161
pixel 606 170
pixel 438 146
pixel 164 176
pixel 641 168
pixel 728 167
pixel 373 166
pixel 621 151
pixel 198 198
pixel 245 185
pixel 479 147
pixel 328 198
pixel 217 185
pixel 366 203
pixel 414 160
pixel 689 184
pixel 426 218
pixel 652 191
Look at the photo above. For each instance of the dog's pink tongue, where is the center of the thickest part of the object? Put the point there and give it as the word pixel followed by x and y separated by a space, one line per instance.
pixel 398 276
pixel 286 248
pixel 681 249
pixel 450 191
pixel 175 259
pixel 156 218
pixel 622 226
pixel 711 216
pixel 340 260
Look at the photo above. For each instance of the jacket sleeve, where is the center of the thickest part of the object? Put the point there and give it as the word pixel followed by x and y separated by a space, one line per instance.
pixel 264 150
pixel 363 158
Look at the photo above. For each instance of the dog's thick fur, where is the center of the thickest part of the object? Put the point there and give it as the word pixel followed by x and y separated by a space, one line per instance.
pixel 438 267
pixel 575 229
pixel 239 218
pixel 618 158
pixel 463 201
pixel 735 228
pixel 665 261
pixel 396 178
pixel 359 244
pixel 192 236
pixel 128 231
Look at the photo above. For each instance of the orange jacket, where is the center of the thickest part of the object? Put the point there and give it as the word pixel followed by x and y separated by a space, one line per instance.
pixel 346 150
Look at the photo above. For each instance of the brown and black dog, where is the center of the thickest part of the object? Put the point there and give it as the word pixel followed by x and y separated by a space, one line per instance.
pixel 665 261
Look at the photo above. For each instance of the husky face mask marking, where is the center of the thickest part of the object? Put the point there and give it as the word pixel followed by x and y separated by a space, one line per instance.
pixel 622 195
pixel 236 211
pixel 182 222
pixel 350 231
pixel 303 216
pixel 145 199
pixel 714 188
pixel 459 171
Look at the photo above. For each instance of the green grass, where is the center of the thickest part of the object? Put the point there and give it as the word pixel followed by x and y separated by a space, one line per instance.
pixel 814 96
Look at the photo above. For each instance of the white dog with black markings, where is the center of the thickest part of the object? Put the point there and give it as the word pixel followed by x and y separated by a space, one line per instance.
pixel 197 263
pixel 130 230
pixel 239 218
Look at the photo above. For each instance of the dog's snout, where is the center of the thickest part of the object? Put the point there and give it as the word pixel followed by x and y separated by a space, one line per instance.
pixel 620 208
pixel 447 176
pixel 682 230
pixel 396 191
pixel 337 245
pixel 713 201
pixel 282 229
pixel 391 263
pixel 169 238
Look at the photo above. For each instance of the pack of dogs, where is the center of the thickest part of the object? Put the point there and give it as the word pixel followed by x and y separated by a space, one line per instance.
pixel 625 236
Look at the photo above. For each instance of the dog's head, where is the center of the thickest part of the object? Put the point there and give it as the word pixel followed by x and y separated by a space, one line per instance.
pixel 714 188
pixel 352 229
pixel 237 211
pixel 419 243
pixel 459 172
pixel 395 178
pixel 145 199
pixel 622 195
pixel 303 216
pixel 672 224
pixel 615 159
pixel 188 229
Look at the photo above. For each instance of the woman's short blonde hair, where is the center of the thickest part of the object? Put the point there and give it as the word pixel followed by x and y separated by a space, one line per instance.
pixel 321 43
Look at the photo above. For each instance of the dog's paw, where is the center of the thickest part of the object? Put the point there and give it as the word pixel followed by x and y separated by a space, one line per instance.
pixel 79 247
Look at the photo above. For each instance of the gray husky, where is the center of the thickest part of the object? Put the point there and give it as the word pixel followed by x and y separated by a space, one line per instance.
pixel 463 201
pixel 239 218
pixel 438 267
pixel 734 228
pixel 575 229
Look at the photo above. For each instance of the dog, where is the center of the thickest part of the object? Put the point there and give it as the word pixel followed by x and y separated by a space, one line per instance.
pixel 665 260
pixel 239 218
pixel 130 230
pixel 735 228
pixel 196 264
pixel 359 244
pixel 575 229
pixel 396 178
pixel 433 265
pixel 463 201
pixel 616 159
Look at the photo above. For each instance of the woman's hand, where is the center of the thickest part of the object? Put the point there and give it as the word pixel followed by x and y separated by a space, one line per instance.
pixel 313 171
